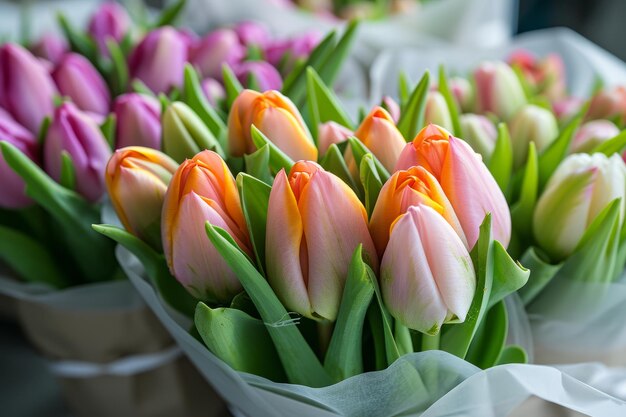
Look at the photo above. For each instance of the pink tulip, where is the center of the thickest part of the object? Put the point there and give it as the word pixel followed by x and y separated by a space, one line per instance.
pixel 159 59
pixel 266 76
pixel 592 134
pixel 498 90
pixel 329 133
pixel 213 91
pixel 12 192
pixel 50 47
pixel 608 104
pixel 426 274
pixel 546 75
pixel 314 224
pixel 463 93
pixel 109 22
pixel 464 178
pixel 77 79
pixel 219 47
pixel 26 89
pixel 392 107
pixel 252 33
pixel 77 134
pixel 295 49
pixel 138 121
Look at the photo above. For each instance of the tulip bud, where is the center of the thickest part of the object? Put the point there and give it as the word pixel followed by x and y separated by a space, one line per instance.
pixel 50 47
pixel 213 91
pixel 214 50
pixel 159 59
pixel 265 75
pixel 274 115
pixel 136 180
pixel 532 124
pixel 314 224
pixel 26 89
pixel 138 121
pixel 546 76
pixel 480 133
pixel 580 188
pixel 329 133
pixel 110 21
pixel 252 33
pixel 285 53
pixel 437 111
pixel 392 107
pixel 463 93
pixel 77 79
pixel 566 109
pixel 77 134
pixel 498 90
pixel 608 104
pixel 592 134
pixel 12 192
pixel 184 133
pixel 464 178
pixel 406 189
pixel 426 274
pixel 201 190
pixel 380 135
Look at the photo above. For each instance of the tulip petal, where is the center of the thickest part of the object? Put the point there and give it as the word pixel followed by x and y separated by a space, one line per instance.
pixel 282 128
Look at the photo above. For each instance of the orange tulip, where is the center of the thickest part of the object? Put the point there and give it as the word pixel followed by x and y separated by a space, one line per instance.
pixel 202 189
pixel 274 115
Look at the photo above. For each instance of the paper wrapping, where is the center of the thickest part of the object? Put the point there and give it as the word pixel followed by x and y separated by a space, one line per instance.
pixel 111 355
pixel 427 384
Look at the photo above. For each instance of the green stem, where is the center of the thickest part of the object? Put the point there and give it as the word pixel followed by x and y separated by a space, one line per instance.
pixel 430 342
pixel 324 333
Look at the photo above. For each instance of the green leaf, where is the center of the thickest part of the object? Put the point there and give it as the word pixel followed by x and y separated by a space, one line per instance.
pixel 108 130
pixel 139 87
pixel 300 363
pixel 371 181
pixel 71 211
pixel 512 354
pixel 334 162
pixel 329 68
pixel 79 42
pixel 231 84
pixel 488 343
pixel 391 349
pixel 278 159
pixel 118 76
pixel 613 145
pixel 403 339
pixel 501 161
pixel 412 115
pixel 508 275
pixel 550 159
pixel 458 337
pixel 194 97
pixel 239 340
pixel 323 105
pixel 522 211
pixel 258 163
pixel 359 150
pixel 29 258
pixel 169 15
pixel 43 130
pixel 68 172
pixel 156 268
pixel 541 273
pixel 344 356
pixel 255 196
pixel 444 89
pixel 403 89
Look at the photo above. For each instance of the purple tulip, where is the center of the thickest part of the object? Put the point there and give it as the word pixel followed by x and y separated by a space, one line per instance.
pixel 12 191
pixel 110 21
pixel 296 48
pixel 159 59
pixel 26 89
pixel 213 90
pixel 77 79
pixel 266 76
pixel 216 49
pixel 51 48
pixel 76 133
pixel 138 121
pixel 252 33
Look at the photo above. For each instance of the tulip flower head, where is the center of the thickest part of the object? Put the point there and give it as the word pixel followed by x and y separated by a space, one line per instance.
pixel 426 276
pixel 213 91
pixel 581 187
pixel 201 190
pixel 329 133
pixel 50 47
pixel 480 133
pixel 437 111
pixel 138 121
pixel 216 49
pixel 136 180
pixel 264 74
pixel 274 115
pixel 464 178
pixel 592 134
pixel 608 104
pixel 532 124
pixel 498 90
pixel 314 224
pixel 546 76
pixel 184 133
pixel 109 22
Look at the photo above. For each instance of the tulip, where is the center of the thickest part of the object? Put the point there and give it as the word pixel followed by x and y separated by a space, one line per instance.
pixel 480 133
pixel 213 91
pixel 184 133
pixel 437 111
pixel 608 104
pixel 136 180
pixel 426 274
pixel 159 59
pixel 566 109
pixel 546 76
pixel 285 53
pixel 392 107
pixel 498 90
pixel 214 50
pixel 464 178
pixel 329 133
pixel 138 119
pixel 51 48
pixel 314 224
pixel 463 93
pixel 109 22
pixel 592 134
pixel 266 76
pixel 404 189
pixel 252 34
pixel 274 115
pixel 75 133
pixel 380 135
pixel 532 124
pixel 26 89
pixel 77 79
pixel 580 188
pixel 201 190
pixel 12 193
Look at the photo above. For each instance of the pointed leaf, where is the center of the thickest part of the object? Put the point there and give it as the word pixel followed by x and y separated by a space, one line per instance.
pixel 169 15
pixel 258 164
pixel 194 97
pixel 444 89
pixel 613 145
pixel 371 181
pixel 255 196
pixel 333 162
pixel 512 354
pixel 412 117
pixel 508 275
pixel 231 84
pixel 501 161
pixel 541 273
pixel 278 159
pixel 118 76
pixel 323 105
pixel 359 150
pixel 556 152
pixel 488 343
pixel 522 211
pixel 391 349
pixel 108 130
